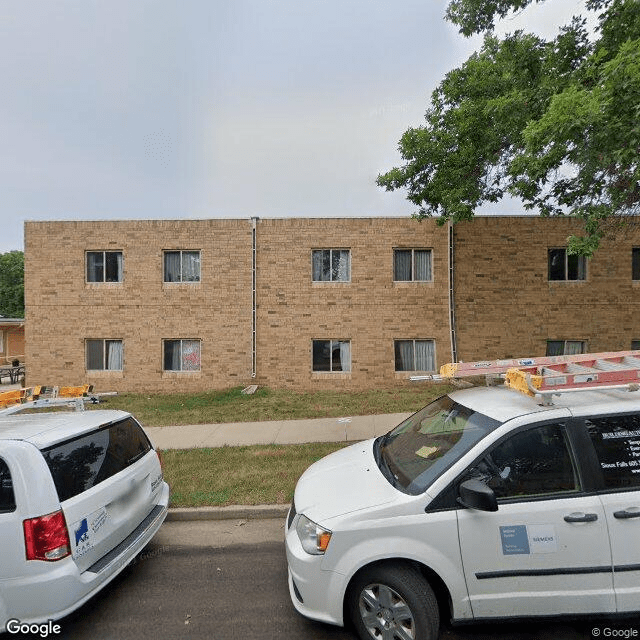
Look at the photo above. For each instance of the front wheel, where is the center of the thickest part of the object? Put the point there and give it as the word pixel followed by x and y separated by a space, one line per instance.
pixel 393 603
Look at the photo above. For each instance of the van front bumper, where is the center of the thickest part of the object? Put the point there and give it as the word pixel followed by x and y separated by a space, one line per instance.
pixel 315 592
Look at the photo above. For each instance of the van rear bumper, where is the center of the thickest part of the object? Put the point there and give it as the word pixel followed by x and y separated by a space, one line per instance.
pixel 59 588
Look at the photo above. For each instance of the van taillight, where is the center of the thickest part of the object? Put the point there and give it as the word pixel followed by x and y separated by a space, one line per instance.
pixel 46 537
pixel 159 454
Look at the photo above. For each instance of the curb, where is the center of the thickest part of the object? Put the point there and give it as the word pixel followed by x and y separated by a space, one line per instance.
pixel 234 512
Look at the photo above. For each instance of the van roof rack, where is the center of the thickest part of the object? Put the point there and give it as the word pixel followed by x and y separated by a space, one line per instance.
pixel 552 375
pixel 42 396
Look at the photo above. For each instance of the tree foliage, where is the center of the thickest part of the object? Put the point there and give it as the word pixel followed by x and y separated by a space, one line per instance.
pixel 12 284
pixel 556 123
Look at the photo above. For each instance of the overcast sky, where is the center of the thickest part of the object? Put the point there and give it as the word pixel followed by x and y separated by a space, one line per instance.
pixel 218 108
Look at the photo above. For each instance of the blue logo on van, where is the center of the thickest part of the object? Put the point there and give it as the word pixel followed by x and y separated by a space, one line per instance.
pixel 82 532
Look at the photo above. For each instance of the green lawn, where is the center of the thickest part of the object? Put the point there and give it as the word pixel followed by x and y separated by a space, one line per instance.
pixel 257 474
pixel 265 474
pixel 230 405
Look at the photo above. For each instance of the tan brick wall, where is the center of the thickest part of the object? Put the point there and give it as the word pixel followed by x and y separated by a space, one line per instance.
pixel 371 310
pixel 12 343
pixel 62 310
pixel 505 305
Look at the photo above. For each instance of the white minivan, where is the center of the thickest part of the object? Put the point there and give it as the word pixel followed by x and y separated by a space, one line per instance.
pixel 483 505
pixel 81 493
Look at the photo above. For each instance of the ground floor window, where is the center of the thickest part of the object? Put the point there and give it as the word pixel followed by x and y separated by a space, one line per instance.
pixel 181 355
pixel 331 355
pixel 565 347
pixel 104 355
pixel 415 355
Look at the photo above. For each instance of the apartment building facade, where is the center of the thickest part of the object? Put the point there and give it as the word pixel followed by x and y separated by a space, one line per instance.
pixel 336 303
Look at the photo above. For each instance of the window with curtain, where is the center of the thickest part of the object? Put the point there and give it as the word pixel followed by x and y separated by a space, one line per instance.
pixel 415 355
pixel 563 266
pixel 331 355
pixel 331 265
pixel 104 266
pixel 104 355
pixel 181 355
pixel 182 266
pixel 565 347
pixel 412 265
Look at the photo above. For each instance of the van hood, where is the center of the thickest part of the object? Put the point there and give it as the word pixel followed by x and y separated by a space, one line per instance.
pixel 345 481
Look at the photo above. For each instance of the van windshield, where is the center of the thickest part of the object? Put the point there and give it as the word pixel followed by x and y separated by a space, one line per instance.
pixel 419 449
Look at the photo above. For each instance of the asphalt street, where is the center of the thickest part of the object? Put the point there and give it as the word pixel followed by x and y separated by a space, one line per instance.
pixel 227 580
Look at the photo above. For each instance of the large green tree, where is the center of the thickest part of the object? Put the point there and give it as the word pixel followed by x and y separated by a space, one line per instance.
pixel 12 284
pixel 555 123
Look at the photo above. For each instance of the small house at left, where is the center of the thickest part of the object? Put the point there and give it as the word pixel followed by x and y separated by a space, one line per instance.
pixel 11 340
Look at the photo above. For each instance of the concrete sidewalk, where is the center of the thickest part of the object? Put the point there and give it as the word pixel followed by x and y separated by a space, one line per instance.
pixel 348 429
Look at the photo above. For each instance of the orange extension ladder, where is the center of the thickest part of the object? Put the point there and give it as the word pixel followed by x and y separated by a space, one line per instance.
pixel 550 375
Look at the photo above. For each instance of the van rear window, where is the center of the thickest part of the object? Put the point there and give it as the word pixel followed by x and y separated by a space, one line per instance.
pixel 81 463
pixel 7 499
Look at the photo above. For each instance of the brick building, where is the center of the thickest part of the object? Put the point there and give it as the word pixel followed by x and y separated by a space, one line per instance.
pixel 11 340
pixel 347 303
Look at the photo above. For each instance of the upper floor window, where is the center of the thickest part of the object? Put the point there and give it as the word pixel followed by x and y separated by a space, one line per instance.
pixel 182 266
pixel 635 263
pixel 635 345
pixel 104 266
pixel 331 265
pixel 563 266
pixel 104 355
pixel 181 355
pixel 412 265
pixel 331 355
pixel 565 347
pixel 415 355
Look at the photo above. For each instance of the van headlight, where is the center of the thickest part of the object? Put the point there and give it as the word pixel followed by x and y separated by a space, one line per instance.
pixel 314 538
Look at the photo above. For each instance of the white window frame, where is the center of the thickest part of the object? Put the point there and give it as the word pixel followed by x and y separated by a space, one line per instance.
pixel 182 280
pixel 1 341
pixel 566 266
pixel 414 359
pixel 181 341
pixel 105 353
pixel 104 267
pixel 331 250
pixel 331 342
pixel 413 263
pixel 565 343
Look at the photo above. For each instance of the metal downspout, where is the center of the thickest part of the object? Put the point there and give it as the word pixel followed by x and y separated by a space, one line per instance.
pixel 452 303
pixel 254 224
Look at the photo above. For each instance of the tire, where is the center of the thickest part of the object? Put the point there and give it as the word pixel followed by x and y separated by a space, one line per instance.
pixel 393 603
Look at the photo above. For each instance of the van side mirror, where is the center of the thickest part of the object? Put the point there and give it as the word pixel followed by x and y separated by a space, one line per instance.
pixel 475 494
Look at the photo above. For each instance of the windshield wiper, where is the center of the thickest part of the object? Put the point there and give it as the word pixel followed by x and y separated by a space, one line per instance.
pixel 381 461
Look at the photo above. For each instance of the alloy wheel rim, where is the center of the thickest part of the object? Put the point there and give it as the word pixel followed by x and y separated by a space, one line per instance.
pixel 385 614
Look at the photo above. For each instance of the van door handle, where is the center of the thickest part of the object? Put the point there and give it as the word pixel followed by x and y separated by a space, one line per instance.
pixel 626 514
pixel 581 517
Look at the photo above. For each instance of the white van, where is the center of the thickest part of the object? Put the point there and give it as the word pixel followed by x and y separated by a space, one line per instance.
pixel 484 505
pixel 81 493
